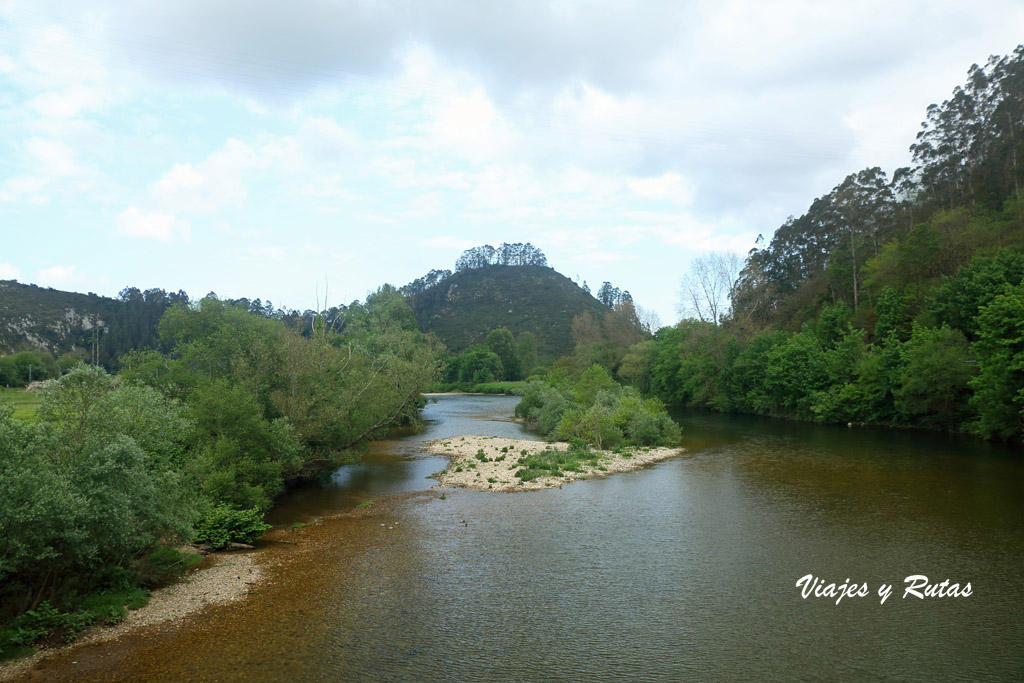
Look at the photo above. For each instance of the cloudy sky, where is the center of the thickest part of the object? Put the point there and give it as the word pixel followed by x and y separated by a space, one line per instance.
pixel 271 149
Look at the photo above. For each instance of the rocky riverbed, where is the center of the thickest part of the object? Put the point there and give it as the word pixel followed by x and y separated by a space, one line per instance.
pixel 490 463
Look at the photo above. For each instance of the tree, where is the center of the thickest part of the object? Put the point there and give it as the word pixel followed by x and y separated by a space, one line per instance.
pixel 648 318
pixel 501 342
pixel 999 387
pixel 526 352
pixel 863 205
pixel 478 365
pixel 933 382
pixel 92 484
pixel 517 254
pixel 593 380
pixel 710 286
pixel 959 299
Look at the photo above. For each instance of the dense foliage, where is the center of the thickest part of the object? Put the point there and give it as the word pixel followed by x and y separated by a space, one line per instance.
pixel 596 410
pixel 193 443
pixel 501 359
pixel 92 484
pixel 22 368
pixel 269 405
pixel 893 301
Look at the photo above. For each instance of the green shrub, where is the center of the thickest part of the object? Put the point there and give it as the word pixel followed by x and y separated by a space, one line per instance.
pixel 506 388
pixel 223 525
pixel 554 463
pixel 164 565
pixel 87 488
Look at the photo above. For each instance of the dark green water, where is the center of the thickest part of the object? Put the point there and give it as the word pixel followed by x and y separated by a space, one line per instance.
pixel 687 569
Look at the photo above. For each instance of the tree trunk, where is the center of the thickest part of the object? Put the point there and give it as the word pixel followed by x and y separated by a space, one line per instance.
pixel 853 254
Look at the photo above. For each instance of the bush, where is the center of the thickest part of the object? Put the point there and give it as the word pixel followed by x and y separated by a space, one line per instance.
pixel 542 406
pixel 47 623
pixel 165 565
pixel 86 489
pixel 613 415
pixel 552 463
pixel 223 525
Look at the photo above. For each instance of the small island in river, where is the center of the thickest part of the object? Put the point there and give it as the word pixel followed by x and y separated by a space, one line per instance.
pixel 499 464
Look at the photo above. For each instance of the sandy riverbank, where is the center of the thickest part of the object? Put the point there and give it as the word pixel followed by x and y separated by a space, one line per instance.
pixel 228 578
pixel 497 474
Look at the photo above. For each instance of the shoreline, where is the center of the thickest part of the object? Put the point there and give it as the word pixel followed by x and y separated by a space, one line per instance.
pixel 213 639
pixel 228 579
pixel 497 472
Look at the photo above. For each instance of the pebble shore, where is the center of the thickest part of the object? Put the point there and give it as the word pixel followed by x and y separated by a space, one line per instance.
pixel 498 474
pixel 229 578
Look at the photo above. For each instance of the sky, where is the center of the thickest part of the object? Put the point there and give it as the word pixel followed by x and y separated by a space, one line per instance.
pixel 310 152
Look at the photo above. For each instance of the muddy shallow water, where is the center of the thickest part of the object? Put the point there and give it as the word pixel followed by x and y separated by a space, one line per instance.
pixel 686 569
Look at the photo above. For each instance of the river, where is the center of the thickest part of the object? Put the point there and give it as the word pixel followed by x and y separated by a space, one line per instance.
pixel 684 570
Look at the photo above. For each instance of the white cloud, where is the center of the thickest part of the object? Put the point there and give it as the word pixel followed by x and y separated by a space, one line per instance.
pixel 9 272
pixel 449 242
pixel 181 178
pixel 55 158
pixel 156 226
pixel 323 140
pixel 14 189
pixel 695 236
pixel 215 182
pixel 69 102
pixel 601 257
pixel 58 276
pixel 669 186
pixel 468 126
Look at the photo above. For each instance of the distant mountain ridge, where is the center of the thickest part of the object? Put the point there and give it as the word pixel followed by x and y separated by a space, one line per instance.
pixel 461 308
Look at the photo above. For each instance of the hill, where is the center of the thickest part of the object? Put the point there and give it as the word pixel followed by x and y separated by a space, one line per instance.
pixel 463 307
pixel 34 317
pixel 93 327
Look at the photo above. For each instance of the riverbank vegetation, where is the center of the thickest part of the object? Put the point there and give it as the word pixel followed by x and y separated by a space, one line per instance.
pixel 595 410
pixel 197 441
pixel 891 301
pixel 498 366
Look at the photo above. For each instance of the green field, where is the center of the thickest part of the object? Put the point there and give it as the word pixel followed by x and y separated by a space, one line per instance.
pixel 24 402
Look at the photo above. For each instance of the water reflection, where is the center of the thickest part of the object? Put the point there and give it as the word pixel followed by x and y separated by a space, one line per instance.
pixel 398 464
pixel 684 570
pixel 688 569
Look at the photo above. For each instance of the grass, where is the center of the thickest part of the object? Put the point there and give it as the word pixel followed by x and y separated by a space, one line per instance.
pixel 554 463
pixel 24 402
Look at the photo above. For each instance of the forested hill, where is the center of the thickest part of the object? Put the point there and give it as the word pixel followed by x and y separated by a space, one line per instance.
pixel 891 300
pixel 92 327
pixel 461 308
pixel 961 199
pixel 508 287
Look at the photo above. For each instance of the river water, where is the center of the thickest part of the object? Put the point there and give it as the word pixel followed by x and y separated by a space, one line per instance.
pixel 684 570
